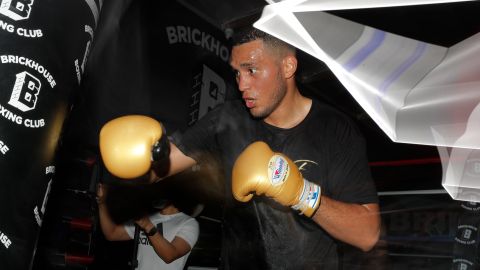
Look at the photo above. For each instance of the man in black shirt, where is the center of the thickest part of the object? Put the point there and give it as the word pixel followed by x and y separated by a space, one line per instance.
pixel 325 146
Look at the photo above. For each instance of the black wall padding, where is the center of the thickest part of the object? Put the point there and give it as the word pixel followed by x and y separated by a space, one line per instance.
pixel 150 58
pixel 465 247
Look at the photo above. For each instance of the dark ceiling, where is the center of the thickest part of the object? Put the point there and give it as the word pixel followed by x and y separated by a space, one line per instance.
pixel 441 24
pixel 219 13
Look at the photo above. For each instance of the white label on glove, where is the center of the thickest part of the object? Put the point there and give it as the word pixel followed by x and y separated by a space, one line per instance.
pixel 313 196
pixel 278 170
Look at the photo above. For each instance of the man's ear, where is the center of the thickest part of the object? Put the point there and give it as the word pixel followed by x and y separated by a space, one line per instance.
pixel 289 66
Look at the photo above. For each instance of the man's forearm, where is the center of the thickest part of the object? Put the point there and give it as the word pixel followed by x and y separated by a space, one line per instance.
pixel 355 224
pixel 106 223
pixel 164 249
pixel 167 251
pixel 111 230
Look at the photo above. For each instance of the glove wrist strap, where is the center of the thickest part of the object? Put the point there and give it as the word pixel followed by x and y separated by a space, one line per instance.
pixel 161 149
pixel 309 199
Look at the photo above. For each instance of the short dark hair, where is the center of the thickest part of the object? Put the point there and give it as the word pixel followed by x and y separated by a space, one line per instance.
pixel 250 33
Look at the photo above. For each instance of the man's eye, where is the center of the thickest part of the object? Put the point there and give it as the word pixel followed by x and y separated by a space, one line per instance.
pixel 252 70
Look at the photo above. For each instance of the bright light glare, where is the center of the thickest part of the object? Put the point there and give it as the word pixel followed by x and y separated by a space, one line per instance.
pixel 416 92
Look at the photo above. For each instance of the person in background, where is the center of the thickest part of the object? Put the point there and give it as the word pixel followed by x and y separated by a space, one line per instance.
pixel 166 237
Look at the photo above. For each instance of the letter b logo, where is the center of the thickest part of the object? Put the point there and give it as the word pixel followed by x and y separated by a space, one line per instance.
pixel 25 92
pixel 467 233
pixel 16 9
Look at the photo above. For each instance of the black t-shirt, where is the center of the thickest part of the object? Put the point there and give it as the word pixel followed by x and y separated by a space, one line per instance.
pixel 262 234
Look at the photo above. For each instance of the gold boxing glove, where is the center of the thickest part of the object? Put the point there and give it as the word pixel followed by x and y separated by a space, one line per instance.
pixel 259 170
pixel 129 144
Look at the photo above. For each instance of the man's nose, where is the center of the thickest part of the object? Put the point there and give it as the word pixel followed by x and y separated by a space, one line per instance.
pixel 243 83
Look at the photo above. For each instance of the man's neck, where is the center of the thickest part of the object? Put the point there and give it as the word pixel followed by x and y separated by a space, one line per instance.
pixel 291 111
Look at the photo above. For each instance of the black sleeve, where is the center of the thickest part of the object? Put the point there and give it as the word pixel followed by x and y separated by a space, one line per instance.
pixel 199 139
pixel 349 172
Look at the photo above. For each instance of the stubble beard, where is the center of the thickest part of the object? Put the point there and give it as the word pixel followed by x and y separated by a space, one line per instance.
pixel 276 99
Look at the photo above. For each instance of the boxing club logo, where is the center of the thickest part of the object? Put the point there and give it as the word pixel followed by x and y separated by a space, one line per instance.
pixel 16 9
pixel 80 68
pixel 462 264
pixel 209 90
pixel 39 212
pixel 3 148
pixel 471 205
pixel 5 240
pixel 178 34
pixel 25 92
pixel 466 235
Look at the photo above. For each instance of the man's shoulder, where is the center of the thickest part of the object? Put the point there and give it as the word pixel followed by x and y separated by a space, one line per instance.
pixel 179 217
pixel 184 217
pixel 324 110
pixel 187 221
pixel 333 118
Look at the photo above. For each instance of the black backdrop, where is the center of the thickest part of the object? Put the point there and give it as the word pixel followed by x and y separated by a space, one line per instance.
pixel 153 57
